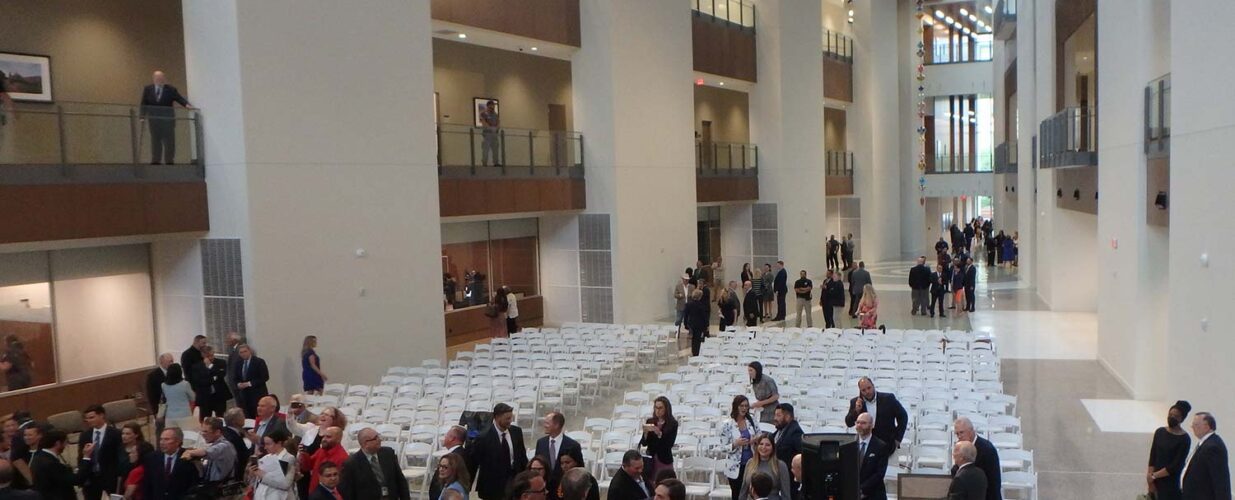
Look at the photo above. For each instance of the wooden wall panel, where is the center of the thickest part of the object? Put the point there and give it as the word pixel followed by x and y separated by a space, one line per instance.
pixel 837 79
pixel 723 49
pixel 550 20
pixel 1072 181
pixel 839 185
pixel 76 395
pixel 71 211
pixel 461 197
pixel 471 324
pixel 714 189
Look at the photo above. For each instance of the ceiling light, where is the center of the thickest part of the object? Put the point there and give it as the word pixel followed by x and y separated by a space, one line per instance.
pixel 722 84
pixel 949 19
pixel 965 30
pixel 989 10
pixel 462 35
pixel 939 14
pixel 973 18
pixel 534 49
pixel 964 12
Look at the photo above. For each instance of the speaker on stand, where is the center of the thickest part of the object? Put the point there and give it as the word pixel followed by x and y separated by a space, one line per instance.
pixel 830 466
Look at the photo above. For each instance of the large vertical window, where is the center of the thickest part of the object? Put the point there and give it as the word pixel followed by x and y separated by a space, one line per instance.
pixel 961 133
pixel 480 257
pixel 72 314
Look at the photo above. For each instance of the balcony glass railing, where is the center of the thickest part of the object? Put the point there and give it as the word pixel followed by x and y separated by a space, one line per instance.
pixel 1005 158
pixel 1069 138
pixel 837 45
pixel 471 150
pixel 726 158
pixel 839 163
pixel 1158 116
pixel 77 133
pixel 948 50
pixel 739 12
pixel 945 163
pixel 1005 18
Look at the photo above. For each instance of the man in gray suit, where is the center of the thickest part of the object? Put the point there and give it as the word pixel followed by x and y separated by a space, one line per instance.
pixel 969 483
pixel 858 279
pixel 233 356
pixel 681 292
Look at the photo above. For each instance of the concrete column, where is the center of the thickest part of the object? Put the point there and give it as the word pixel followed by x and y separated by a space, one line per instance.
pixel 912 204
pixel 875 120
pixel 1027 92
pixel 634 101
pixel 1131 318
pixel 323 164
pixel 1202 233
pixel 787 124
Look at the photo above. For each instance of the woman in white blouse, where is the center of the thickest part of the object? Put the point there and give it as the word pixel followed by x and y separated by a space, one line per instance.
pixel 310 434
pixel 274 476
pixel 739 431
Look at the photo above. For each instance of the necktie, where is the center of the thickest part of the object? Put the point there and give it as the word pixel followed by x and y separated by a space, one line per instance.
pixel 246 369
pixel 552 454
pixel 158 92
pixel 862 453
pixel 506 450
pixel 167 469
pixel 98 443
pixel 377 470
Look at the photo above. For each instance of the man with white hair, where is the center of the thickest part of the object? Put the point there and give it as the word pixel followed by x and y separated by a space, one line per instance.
pixel 968 483
pixel 154 386
pixel 987 459
pixel 157 101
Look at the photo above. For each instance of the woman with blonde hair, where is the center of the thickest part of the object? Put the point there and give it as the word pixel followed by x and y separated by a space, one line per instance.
pixel 311 367
pixel 868 308
pixel 764 460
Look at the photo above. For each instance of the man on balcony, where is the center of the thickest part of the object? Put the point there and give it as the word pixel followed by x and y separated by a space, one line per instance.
pixel 157 102
pixel 489 124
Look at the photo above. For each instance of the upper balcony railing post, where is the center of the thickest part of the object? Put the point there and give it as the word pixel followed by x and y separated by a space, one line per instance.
pixel 715 155
pixel 200 150
pixel 471 149
pixel 135 135
pixel 531 152
pixel 743 159
pixel 62 141
pixel 729 154
pixel 501 149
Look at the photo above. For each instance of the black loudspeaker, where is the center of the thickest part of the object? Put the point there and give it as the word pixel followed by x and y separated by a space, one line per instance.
pixel 830 466
pixel 475 421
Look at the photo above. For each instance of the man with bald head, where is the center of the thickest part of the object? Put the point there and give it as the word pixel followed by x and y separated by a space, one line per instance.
pixel 889 417
pixel 987 458
pixel 268 420
pixel 873 456
pixel 795 468
pixel 373 472
pixel 154 386
pixel 331 450
pixel 157 102
pixel 968 482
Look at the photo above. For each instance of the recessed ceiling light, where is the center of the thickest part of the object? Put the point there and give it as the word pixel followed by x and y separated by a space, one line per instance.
pixel 850 12
pixel 964 12
pixel 721 6
pixel 722 84
pixel 973 18
pixel 989 10
pixel 462 35
pixel 939 14
pixel 949 19
pixel 534 49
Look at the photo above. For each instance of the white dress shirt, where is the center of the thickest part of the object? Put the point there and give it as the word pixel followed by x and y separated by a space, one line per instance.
pixel 871 408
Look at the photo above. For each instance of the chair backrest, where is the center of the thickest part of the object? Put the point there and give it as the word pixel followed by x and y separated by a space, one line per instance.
pixel 69 421
pixel 121 411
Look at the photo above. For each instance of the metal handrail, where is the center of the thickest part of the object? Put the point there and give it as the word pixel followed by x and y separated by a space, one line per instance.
pixel 1158 116
pixel 730 157
pixel 460 145
pixel 1069 137
pixel 70 133
pixel 838 163
pixel 737 12
pixel 837 45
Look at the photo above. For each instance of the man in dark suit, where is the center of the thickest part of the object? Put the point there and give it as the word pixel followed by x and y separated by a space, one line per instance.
pixel 873 456
pixel 497 454
pixel 328 483
pixel 858 279
pixel 968 483
pixel 101 466
pixel 830 297
pixel 628 484
pixel 971 283
pixel 373 472
pixel 154 386
pixel 7 478
pixel 750 304
pixel 697 318
pixel 53 479
pixel 168 476
pixel 157 102
pixel 919 287
pixel 232 343
pixel 267 421
pixel 781 287
pixel 788 435
pixel 251 377
pixel 987 459
pixel 193 355
pixel 452 442
pixel 833 247
pixel 209 381
pixel 890 417
pixel 555 443
pixel 1207 476
pixel 234 434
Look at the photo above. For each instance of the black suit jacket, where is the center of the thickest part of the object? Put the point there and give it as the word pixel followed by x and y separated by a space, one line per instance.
pixel 781 284
pixel 435 484
pixel 16 494
pixel 108 458
pixel 919 277
pixel 988 461
pixel 788 442
pixel 833 294
pixel 968 484
pixel 358 481
pixel 242 450
pixel 1208 477
pixel 321 493
pixel 874 467
pixel 624 487
pixel 154 387
pixel 750 307
pixel 697 315
pixel 971 276
pixel 52 478
pixel 190 358
pixel 210 382
pixel 568 444
pixel 150 106
pixel 492 473
pixel 258 376
pixel 156 485
pixel 277 422
pixel 890 417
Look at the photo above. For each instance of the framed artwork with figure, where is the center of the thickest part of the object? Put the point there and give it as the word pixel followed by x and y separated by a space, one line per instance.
pixel 28 76
pixel 478 107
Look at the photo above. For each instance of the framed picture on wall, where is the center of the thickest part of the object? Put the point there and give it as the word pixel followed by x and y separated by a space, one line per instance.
pixel 478 107
pixel 28 76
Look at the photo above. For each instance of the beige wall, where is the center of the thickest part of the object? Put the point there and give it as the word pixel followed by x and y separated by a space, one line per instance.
pixel 834 129
pixel 525 85
pixel 100 51
pixel 728 110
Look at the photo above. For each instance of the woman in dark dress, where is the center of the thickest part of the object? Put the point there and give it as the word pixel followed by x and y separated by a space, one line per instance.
pixel 311 373
pixel 660 433
pixel 1168 453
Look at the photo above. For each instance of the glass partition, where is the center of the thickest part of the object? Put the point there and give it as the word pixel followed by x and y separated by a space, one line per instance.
pixel 739 12
pixel 1069 137
pixel 1158 115
pixel 75 133
pixel 839 163
pixel 479 257
pixel 726 157
pixel 962 133
pixel 477 148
